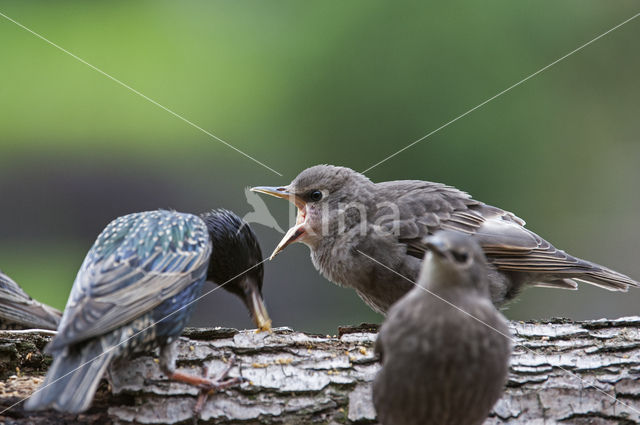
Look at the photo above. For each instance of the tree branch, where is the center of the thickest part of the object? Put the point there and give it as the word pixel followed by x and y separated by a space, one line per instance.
pixel 561 372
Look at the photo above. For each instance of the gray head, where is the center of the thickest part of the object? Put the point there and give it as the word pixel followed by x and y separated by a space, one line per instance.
pixel 322 194
pixel 455 260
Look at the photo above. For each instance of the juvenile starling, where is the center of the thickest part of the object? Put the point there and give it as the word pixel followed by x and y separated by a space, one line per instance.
pixel 444 360
pixel 350 223
pixel 135 292
pixel 19 311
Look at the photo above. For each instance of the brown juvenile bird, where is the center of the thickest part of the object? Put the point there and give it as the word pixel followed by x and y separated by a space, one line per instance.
pixel 444 347
pixel 364 235
pixel 19 311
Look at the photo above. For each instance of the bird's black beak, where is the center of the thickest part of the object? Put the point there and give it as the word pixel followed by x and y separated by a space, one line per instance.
pixel 252 297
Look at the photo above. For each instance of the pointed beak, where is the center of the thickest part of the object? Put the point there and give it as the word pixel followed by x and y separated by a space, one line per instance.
pixel 290 237
pixel 436 245
pixel 254 301
pixel 295 233
pixel 278 192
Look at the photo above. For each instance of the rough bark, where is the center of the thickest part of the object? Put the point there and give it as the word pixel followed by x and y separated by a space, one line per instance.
pixel 561 372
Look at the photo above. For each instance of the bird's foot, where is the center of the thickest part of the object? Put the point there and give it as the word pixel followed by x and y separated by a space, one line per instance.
pixel 209 386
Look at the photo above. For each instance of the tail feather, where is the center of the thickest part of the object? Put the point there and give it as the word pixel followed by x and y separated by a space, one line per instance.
pixel 561 270
pixel 19 310
pixel 605 278
pixel 569 284
pixel 31 315
pixel 72 379
pixel 606 282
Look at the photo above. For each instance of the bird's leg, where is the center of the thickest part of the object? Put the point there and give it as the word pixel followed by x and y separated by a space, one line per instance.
pixel 209 385
pixel 202 398
pixel 221 383
pixel 206 385
pixel 168 367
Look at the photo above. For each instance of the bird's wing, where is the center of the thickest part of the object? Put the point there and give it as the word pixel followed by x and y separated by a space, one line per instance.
pixel 425 207
pixel 16 306
pixel 511 247
pixel 137 262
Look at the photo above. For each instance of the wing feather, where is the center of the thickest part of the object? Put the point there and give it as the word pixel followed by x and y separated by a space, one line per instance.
pixel 426 207
pixel 137 262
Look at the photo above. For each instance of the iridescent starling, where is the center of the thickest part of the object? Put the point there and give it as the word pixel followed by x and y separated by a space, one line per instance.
pixel 19 311
pixel 444 347
pixel 351 224
pixel 135 291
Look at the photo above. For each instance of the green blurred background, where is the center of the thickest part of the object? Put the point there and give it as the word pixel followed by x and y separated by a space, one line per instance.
pixel 299 83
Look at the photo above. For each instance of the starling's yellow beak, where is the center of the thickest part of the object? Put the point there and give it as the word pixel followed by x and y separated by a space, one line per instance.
pixel 298 232
pixel 259 312
pixel 255 303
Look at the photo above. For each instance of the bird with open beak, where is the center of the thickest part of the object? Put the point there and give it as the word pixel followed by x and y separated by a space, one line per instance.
pixel 369 236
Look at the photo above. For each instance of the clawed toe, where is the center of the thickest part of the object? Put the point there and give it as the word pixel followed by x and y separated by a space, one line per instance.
pixel 219 385
pixel 209 386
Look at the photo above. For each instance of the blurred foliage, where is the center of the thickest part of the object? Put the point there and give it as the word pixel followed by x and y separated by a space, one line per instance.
pixel 298 83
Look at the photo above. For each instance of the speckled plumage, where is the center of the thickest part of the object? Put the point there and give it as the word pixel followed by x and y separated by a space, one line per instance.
pixel 130 292
pixel 388 221
pixel 441 366
pixel 19 311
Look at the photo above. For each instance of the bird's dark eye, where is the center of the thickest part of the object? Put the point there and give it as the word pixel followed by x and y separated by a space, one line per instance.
pixel 460 257
pixel 315 195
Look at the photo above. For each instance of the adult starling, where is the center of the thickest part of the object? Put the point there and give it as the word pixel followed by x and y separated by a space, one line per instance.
pixel 362 234
pixel 19 311
pixel 444 347
pixel 135 291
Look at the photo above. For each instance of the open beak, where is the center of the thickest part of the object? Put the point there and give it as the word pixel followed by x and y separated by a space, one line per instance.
pixel 297 232
pixel 255 303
